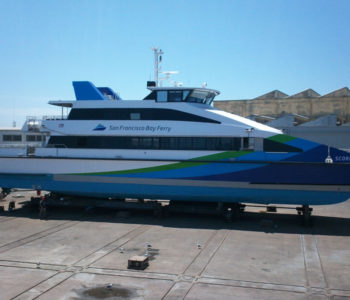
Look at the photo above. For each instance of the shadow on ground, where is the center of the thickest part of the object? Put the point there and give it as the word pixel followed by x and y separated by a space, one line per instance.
pixel 249 221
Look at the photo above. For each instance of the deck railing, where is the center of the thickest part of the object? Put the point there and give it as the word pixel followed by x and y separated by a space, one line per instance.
pixel 55 118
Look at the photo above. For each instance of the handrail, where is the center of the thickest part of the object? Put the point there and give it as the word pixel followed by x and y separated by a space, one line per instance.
pixel 53 118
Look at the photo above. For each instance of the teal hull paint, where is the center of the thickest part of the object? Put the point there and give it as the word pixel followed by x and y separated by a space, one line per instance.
pixel 176 192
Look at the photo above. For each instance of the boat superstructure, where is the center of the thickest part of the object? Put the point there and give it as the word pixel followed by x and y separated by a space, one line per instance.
pixel 16 141
pixel 174 145
pixel 178 121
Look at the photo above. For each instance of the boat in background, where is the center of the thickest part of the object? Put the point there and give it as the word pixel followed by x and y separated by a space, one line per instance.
pixel 23 140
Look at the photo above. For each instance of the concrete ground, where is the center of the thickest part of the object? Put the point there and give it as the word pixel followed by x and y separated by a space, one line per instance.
pixel 83 255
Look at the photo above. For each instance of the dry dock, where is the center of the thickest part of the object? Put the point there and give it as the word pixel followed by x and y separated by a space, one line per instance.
pixel 76 254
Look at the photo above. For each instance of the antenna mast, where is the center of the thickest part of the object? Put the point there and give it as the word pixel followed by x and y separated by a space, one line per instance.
pixel 157 60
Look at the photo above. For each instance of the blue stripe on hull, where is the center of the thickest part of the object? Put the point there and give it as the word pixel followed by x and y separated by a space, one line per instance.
pixel 175 192
pixel 334 174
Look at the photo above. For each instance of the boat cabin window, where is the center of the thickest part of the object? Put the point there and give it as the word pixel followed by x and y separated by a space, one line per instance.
pixel 175 96
pixel 185 94
pixel 194 96
pixel 168 96
pixel 34 138
pixel 171 143
pixel 135 116
pixel 12 138
pixel 141 142
pixel 201 97
pixel 162 96
pixel 153 114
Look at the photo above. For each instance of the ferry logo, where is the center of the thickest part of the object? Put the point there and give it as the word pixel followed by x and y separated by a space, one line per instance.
pixel 100 127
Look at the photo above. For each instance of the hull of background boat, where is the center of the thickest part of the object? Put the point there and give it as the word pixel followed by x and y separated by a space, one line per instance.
pixel 279 182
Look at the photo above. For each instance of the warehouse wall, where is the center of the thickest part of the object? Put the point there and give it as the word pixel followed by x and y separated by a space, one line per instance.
pixel 309 107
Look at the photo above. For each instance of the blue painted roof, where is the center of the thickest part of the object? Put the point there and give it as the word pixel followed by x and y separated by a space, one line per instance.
pixel 85 90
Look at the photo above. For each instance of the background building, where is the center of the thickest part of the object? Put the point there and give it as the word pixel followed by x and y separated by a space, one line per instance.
pixel 324 119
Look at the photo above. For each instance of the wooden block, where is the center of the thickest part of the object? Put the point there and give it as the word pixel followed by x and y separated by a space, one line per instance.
pixel 138 262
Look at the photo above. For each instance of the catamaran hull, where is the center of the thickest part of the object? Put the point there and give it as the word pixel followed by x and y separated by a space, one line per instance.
pixel 184 190
pixel 258 182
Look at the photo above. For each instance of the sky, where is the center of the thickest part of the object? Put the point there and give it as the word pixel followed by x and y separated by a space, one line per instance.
pixel 243 48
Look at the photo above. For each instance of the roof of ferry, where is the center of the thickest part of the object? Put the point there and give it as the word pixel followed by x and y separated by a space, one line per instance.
pixel 181 88
pixel 85 90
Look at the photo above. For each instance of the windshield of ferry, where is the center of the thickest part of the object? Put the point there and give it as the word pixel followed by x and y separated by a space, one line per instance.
pixel 201 97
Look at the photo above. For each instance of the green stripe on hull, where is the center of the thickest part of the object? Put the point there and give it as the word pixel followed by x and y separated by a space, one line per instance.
pixel 198 161
pixel 223 155
pixel 281 138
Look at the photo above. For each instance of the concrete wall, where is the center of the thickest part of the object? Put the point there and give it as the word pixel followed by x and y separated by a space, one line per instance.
pixel 309 107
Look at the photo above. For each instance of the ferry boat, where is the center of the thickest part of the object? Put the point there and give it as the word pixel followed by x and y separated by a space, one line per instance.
pixel 26 137
pixel 174 145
